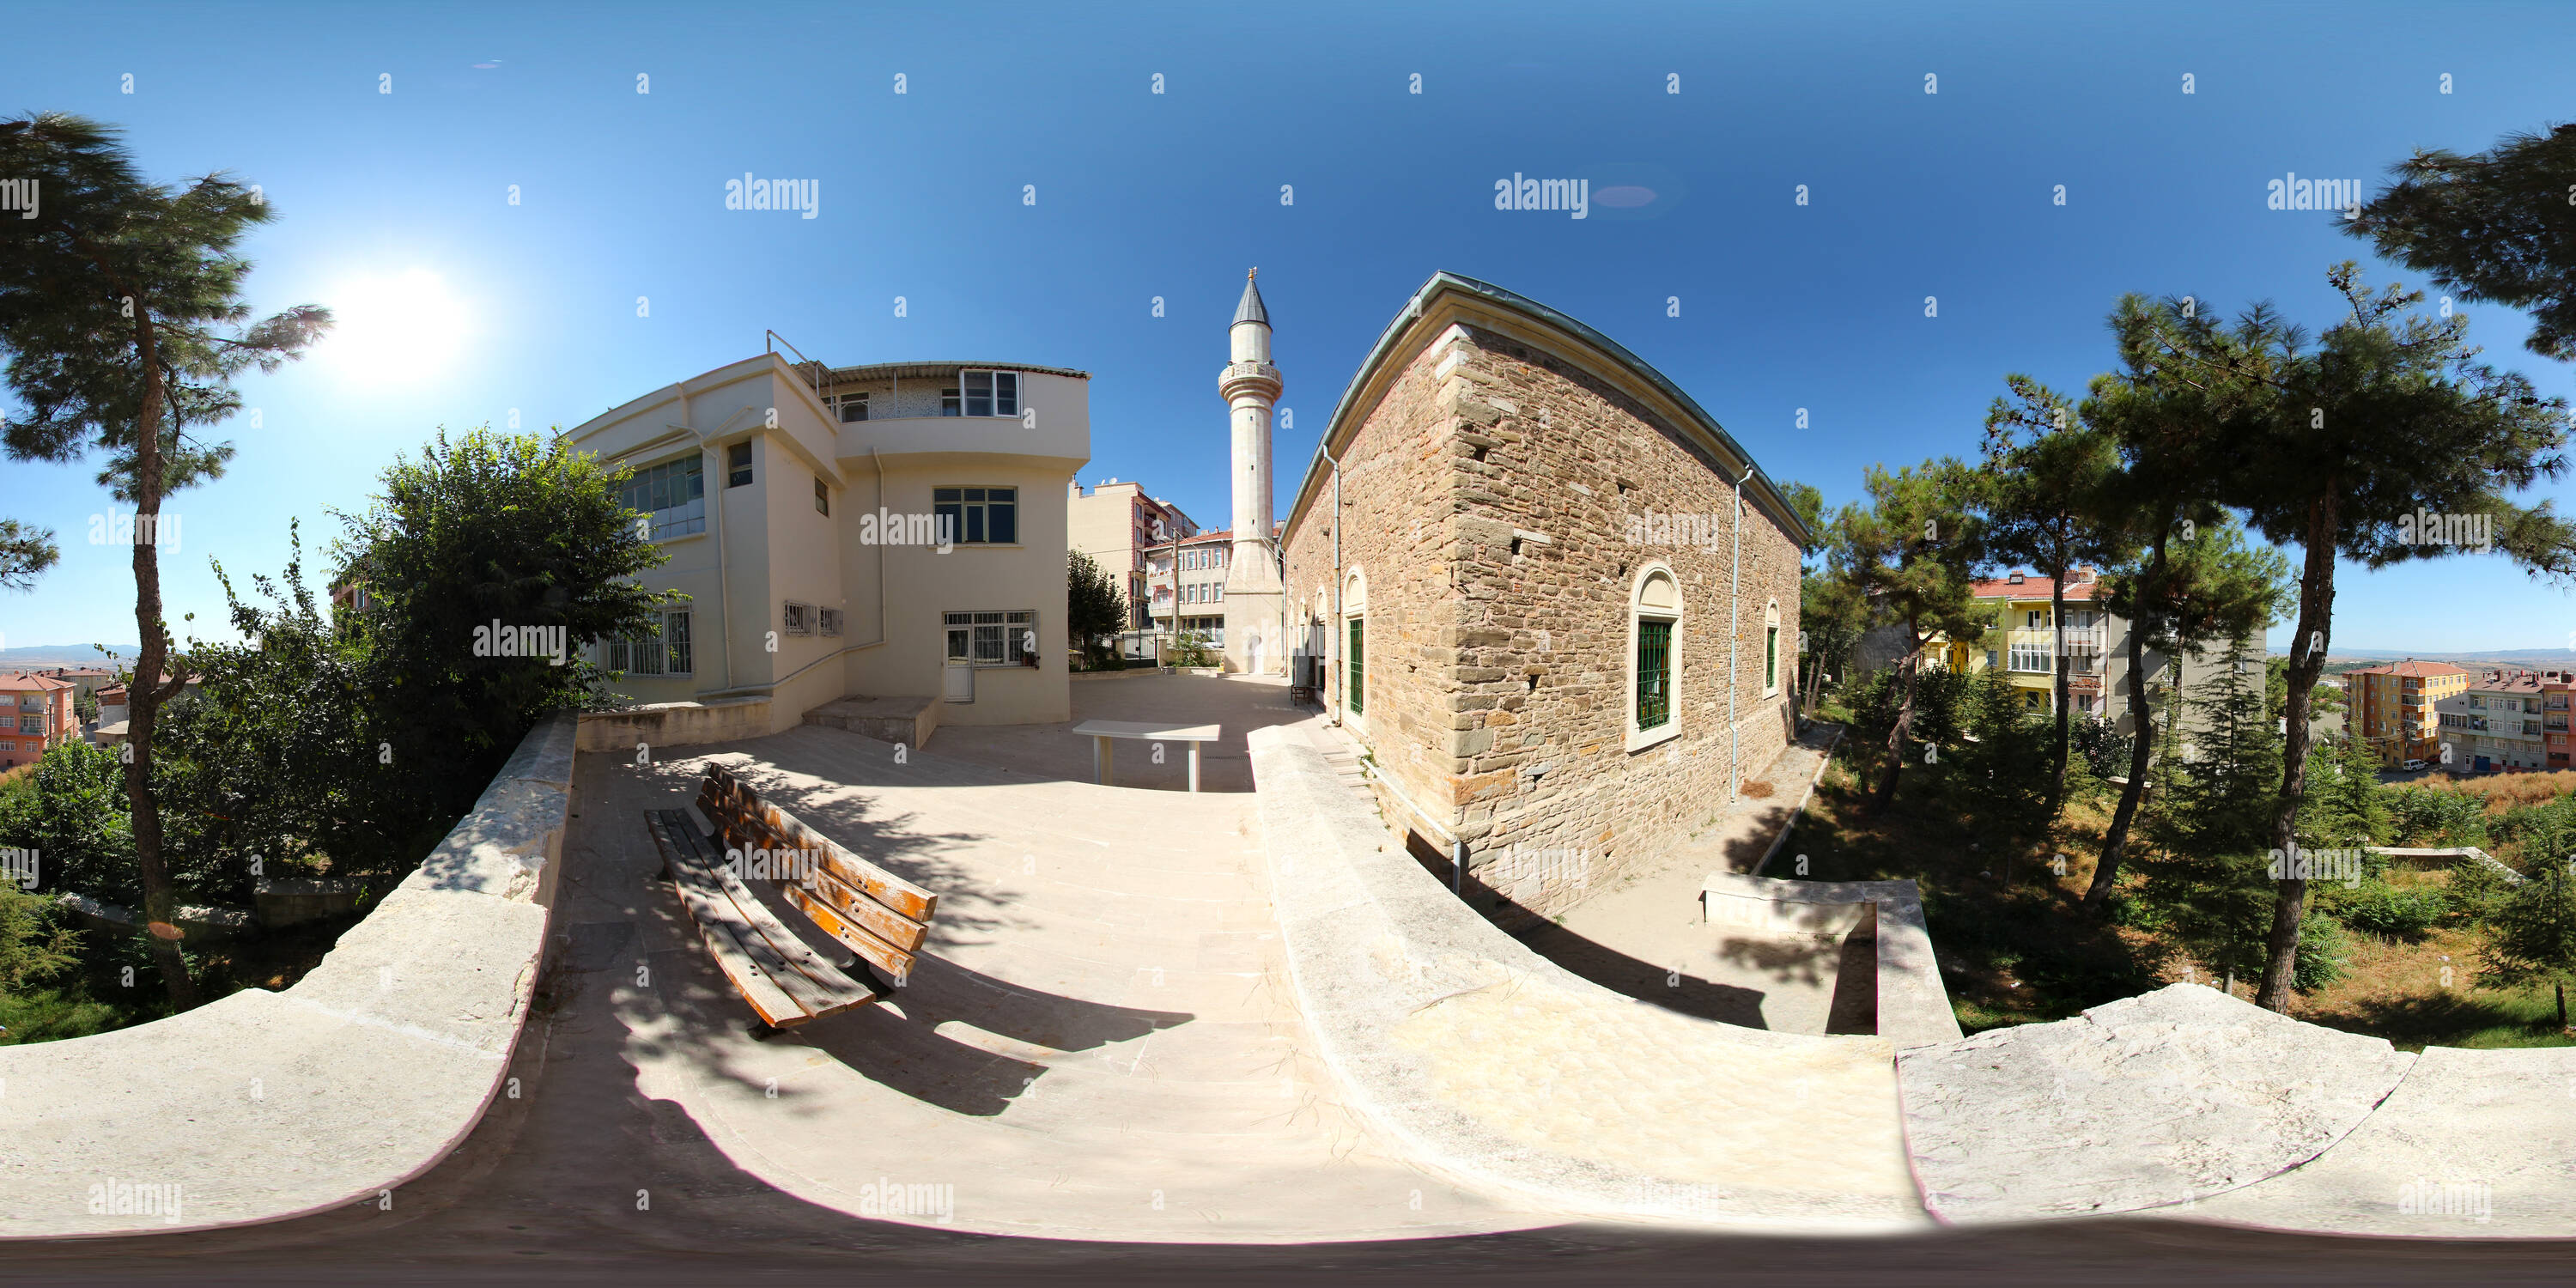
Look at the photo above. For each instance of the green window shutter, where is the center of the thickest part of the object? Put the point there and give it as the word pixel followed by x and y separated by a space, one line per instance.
pixel 1355 692
pixel 1654 674
pixel 1771 658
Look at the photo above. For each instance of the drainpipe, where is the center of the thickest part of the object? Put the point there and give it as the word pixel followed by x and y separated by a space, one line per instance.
pixel 1734 607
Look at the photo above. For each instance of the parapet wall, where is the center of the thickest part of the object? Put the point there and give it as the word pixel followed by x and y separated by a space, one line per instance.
pixel 1913 1006
pixel 675 724
pixel 262 1106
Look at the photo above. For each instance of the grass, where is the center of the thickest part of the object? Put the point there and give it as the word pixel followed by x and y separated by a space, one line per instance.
pixel 2016 947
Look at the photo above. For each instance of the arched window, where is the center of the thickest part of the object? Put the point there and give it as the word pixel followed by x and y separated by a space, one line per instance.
pixel 1771 649
pixel 1654 657
pixel 1355 644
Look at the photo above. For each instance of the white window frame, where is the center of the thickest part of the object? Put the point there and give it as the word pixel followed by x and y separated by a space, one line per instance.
pixel 994 403
pixel 1355 606
pixel 1638 610
pixel 686 519
pixel 841 408
pixel 1771 649
pixel 673 654
pixel 1013 632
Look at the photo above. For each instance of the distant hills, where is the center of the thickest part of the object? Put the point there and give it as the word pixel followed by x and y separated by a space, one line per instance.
pixel 51 655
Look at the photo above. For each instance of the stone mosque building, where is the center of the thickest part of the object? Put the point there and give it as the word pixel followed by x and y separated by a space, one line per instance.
pixel 1550 593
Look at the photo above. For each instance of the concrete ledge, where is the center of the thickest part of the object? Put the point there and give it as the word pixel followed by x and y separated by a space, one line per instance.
pixel 1487 1062
pixel 2168 1098
pixel 675 724
pixel 904 720
pixel 2473 1144
pixel 1913 1005
pixel 262 1106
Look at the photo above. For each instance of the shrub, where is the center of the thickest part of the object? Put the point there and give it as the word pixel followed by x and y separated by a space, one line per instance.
pixel 2436 816
pixel 2325 952
pixel 2379 908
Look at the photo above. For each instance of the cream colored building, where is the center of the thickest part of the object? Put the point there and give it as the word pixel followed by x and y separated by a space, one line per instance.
pixel 1125 532
pixel 801 508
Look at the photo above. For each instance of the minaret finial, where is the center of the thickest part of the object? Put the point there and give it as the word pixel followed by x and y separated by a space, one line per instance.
pixel 1256 272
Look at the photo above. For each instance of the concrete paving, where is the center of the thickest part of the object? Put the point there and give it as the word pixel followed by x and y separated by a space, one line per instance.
pixel 1054 753
pixel 1099 1044
pixel 1643 932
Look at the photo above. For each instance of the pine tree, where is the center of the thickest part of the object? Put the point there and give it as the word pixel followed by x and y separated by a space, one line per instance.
pixel 2496 225
pixel 2532 938
pixel 122 315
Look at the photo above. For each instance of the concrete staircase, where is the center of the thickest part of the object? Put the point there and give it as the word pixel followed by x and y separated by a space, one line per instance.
pixel 1341 755
pixel 910 721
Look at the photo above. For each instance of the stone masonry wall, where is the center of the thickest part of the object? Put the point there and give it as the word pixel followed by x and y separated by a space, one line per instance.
pixel 1520 725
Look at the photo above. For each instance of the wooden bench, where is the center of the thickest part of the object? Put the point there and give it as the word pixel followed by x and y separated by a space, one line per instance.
pixel 880 917
pixel 1101 731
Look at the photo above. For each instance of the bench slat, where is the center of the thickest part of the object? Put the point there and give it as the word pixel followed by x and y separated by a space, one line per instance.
pixel 888 958
pixel 901 934
pixel 906 899
pixel 774 1007
pixel 716 897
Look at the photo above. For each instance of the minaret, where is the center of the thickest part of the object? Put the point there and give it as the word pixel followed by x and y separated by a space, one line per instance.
pixel 1253 596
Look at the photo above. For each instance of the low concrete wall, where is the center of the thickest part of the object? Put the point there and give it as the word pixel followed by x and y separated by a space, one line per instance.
pixel 1492 1064
pixel 1913 1005
pixel 675 724
pixel 365 1074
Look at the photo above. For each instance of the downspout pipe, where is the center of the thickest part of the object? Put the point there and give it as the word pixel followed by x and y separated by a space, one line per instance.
pixel 1734 612
pixel 1333 629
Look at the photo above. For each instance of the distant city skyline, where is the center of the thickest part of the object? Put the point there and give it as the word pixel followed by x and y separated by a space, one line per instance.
pixel 552 217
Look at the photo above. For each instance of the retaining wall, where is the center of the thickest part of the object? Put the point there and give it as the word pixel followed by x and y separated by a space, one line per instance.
pixel 262 1106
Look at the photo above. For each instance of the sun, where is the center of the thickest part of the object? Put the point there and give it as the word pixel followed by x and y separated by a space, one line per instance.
pixel 395 329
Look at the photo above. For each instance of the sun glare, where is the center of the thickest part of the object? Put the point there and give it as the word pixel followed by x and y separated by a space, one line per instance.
pixel 394 329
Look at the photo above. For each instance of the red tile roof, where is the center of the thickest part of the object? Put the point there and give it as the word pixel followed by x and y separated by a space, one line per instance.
pixel 2408 667
pixel 2030 587
pixel 20 682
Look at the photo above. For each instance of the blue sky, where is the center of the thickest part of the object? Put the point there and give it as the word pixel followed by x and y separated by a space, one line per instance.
pixel 402 197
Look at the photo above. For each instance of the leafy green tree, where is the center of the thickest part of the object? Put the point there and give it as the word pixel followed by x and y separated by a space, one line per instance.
pixel 72 812
pixel 2532 937
pixel 1910 554
pixel 25 551
pixel 517 530
pixel 1095 606
pixel 2046 477
pixel 122 312
pixel 2388 416
pixel 2495 225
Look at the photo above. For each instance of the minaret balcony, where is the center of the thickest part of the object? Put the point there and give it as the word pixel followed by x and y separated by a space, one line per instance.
pixel 1248 377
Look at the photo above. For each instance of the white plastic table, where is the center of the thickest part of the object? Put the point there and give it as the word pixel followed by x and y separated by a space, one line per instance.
pixel 1101 731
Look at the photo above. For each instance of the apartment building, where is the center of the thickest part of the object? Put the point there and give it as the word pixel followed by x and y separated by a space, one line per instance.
pixel 35 713
pixel 894 531
pixel 2498 720
pixel 2555 686
pixel 1123 530
pixel 2395 706
pixel 2024 644
pixel 1191 598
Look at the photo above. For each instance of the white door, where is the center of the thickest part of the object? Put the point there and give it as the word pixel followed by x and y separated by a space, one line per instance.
pixel 1252 650
pixel 958 675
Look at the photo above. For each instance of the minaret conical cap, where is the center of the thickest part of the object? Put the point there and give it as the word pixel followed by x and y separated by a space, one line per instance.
pixel 1250 309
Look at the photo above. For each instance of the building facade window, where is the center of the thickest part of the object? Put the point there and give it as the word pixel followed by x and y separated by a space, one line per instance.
pixel 1771 649
pixel 982 393
pixel 822 498
pixel 991 637
pixel 831 621
pixel 798 619
pixel 738 465
pixel 1355 644
pixel 671 496
pixel 853 408
pixel 663 654
pixel 979 515
pixel 1654 656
